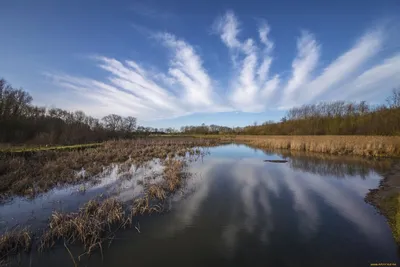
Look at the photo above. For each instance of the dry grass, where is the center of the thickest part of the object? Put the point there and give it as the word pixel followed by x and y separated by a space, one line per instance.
pixel 368 146
pixel 145 205
pixel 156 191
pixel 94 222
pixel 38 172
pixel 91 225
pixel 173 178
pixel 15 241
pixel 173 174
pixel 97 221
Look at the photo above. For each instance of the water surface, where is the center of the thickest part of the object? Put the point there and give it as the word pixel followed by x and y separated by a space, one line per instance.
pixel 237 210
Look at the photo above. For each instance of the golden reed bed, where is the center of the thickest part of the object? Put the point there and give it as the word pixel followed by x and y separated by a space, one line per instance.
pixel 372 146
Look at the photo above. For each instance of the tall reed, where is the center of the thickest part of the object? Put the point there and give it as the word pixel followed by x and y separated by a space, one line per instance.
pixel 369 146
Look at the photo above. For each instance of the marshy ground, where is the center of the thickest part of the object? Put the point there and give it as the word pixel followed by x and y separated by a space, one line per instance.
pixel 33 172
pixel 37 172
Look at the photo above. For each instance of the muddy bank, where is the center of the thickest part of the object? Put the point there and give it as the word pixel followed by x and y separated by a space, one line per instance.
pixel 386 199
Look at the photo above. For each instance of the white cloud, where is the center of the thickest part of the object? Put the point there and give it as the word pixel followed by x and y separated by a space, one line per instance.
pixel 305 62
pixel 372 81
pixel 246 89
pixel 130 89
pixel 345 65
pixel 263 32
pixel 228 26
pixel 187 86
pixel 263 70
pixel 251 63
pixel 187 69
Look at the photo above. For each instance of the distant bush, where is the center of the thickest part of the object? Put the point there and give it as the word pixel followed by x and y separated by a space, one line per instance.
pixel 326 118
pixel 22 122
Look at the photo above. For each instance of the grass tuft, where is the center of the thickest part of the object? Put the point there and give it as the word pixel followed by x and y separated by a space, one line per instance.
pixel 15 241
pixel 90 226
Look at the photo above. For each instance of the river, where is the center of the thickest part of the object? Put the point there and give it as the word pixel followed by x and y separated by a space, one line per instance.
pixel 237 210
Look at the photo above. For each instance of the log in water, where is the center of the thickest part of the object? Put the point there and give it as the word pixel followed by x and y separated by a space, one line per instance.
pixel 275 160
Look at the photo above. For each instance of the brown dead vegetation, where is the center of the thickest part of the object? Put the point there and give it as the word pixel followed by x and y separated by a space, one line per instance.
pixel 43 170
pixel 98 220
pixel 90 226
pixel 13 242
pixel 366 146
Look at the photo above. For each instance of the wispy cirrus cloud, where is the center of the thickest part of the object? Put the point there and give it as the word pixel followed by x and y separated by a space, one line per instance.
pixel 187 70
pixel 345 65
pixel 252 64
pixel 187 86
pixel 131 89
pixel 308 52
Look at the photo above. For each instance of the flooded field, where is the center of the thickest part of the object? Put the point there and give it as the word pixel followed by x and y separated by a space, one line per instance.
pixel 235 209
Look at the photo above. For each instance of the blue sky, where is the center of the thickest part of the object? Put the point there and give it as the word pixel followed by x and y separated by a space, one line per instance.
pixel 179 62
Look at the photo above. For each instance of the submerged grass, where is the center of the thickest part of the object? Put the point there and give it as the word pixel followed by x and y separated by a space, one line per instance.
pixel 98 220
pixel 38 170
pixel 173 177
pixel 13 242
pixel 173 174
pixel 90 226
pixel 157 191
pixel 34 173
pixel 29 174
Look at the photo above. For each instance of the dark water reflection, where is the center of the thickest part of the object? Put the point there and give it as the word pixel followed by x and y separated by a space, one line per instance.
pixel 241 211
pixel 338 166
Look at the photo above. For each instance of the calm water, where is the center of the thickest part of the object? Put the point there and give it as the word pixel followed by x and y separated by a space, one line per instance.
pixel 237 210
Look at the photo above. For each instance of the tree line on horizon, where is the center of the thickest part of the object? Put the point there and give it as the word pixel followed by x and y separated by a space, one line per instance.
pixel 325 118
pixel 23 122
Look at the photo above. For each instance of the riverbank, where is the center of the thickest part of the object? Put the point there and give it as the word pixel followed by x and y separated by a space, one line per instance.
pixel 365 146
pixel 40 170
pixel 386 199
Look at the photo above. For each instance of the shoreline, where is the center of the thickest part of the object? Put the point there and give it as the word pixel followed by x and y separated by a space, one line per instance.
pixel 370 146
pixel 386 200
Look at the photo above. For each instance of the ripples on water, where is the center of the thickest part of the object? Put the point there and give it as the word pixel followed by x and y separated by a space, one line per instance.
pixel 237 210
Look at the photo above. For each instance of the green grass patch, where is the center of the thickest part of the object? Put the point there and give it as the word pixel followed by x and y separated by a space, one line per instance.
pixel 47 148
pixel 390 206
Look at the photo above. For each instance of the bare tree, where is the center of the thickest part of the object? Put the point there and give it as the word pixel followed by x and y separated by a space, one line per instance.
pixel 394 100
pixel 112 122
pixel 129 124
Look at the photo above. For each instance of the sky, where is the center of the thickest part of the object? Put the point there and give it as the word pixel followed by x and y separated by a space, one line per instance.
pixel 179 62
